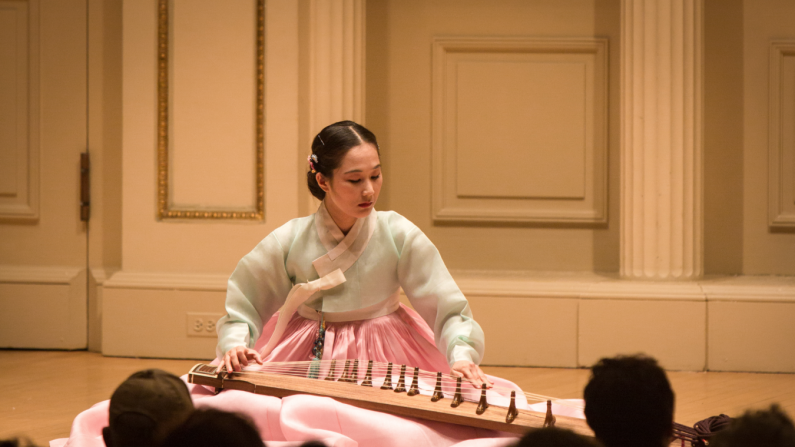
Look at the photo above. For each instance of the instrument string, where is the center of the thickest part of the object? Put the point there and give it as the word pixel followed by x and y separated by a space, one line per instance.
pixel 427 380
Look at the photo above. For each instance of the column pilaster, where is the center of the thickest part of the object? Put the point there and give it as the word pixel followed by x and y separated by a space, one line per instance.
pixel 336 62
pixel 661 139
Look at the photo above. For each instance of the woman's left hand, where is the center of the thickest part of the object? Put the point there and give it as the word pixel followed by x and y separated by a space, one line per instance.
pixel 471 372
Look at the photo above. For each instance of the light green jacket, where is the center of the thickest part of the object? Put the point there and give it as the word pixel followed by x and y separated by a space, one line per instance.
pixel 382 253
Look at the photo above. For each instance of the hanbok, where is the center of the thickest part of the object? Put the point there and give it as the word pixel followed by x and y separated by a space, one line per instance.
pixel 363 319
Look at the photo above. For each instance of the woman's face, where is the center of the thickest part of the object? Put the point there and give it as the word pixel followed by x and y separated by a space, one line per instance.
pixel 353 189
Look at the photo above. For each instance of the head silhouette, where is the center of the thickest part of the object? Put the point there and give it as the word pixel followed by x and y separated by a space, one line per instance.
pixel 145 407
pixel 629 402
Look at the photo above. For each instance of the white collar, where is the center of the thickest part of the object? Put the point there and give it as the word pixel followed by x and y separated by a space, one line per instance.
pixel 343 250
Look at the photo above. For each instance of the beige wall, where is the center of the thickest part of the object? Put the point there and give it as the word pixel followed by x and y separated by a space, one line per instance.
pixel 399 91
pixel 156 254
pixel 764 251
pixel 589 315
pixel 202 246
pixel 400 94
pixel 738 39
pixel 533 238
pixel 723 137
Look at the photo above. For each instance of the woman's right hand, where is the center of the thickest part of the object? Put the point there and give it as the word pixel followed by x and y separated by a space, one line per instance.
pixel 237 356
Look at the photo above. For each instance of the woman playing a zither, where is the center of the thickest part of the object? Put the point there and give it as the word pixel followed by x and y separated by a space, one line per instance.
pixel 376 253
pixel 326 287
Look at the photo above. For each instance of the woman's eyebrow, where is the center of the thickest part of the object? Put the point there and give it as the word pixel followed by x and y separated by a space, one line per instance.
pixel 359 170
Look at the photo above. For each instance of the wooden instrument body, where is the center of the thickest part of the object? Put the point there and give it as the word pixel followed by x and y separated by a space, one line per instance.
pixel 387 401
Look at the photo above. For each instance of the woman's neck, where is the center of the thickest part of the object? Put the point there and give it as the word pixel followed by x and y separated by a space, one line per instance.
pixel 343 221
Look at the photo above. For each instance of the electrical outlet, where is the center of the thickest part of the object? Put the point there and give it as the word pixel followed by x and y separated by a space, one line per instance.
pixel 202 324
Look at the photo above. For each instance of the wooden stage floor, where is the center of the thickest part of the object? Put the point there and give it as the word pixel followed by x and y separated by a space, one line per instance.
pixel 45 390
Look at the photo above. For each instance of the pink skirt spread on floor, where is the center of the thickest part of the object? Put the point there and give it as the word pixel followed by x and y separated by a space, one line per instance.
pixel 401 337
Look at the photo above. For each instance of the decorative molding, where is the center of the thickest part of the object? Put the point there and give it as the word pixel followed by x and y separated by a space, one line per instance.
pixel 164 207
pixel 525 284
pixel 30 274
pixel 781 152
pixel 101 275
pixel 590 286
pixel 772 289
pixel 20 202
pixel 454 201
pixel 167 281
pixel 662 140
pixel 618 289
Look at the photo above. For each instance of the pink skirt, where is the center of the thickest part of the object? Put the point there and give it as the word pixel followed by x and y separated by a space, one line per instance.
pixel 402 338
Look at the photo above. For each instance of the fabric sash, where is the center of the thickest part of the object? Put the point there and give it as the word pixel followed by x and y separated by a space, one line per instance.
pixel 297 296
pixel 376 310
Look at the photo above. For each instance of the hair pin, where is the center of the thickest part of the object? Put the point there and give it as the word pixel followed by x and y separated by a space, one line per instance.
pixel 312 158
pixel 321 140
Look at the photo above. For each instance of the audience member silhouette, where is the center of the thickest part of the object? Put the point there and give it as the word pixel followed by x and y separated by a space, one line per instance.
pixel 214 428
pixel 769 428
pixel 629 402
pixel 17 442
pixel 145 407
pixel 555 437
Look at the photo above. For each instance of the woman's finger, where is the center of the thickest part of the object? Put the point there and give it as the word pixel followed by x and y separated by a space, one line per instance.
pixel 242 358
pixel 235 363
pixel 228 361
pixel 478 372
pixel 256 356
pixel 485 379
pixel 471 376
pixel 475 381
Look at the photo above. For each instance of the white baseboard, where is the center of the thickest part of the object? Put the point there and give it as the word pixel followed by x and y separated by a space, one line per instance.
pixel 561 320
pixel 43 307
pixel 738 323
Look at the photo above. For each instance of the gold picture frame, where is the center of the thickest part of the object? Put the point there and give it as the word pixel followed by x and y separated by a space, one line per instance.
pixel 164 210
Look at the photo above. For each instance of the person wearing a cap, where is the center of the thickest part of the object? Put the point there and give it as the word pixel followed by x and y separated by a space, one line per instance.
pixel 145 407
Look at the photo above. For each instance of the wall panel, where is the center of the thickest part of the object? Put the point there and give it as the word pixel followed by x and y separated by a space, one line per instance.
pixel 782 135
pixel 520 130
pixel 201 245
pixel 211 99
pixel 19 91
pixel 534 332
pixel 151 322
pixel 501 220
pixel 166 262
pixel 213 61
pixel 751 336
pixel 42 307
pixel 672 331
pixel 768 240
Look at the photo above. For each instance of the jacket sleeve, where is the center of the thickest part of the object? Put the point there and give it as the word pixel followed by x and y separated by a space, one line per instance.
pixel 256 290
pixel 436 297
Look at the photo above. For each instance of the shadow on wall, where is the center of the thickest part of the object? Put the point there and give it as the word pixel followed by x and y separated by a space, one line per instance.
pixel 723 137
